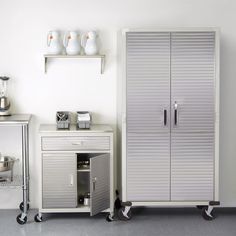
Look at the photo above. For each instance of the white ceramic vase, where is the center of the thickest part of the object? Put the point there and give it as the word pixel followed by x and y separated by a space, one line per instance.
pixel 89 43
pixel 71 43
pixel 54 43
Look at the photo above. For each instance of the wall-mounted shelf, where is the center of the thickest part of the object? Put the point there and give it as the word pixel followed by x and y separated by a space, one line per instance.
pixel 48 56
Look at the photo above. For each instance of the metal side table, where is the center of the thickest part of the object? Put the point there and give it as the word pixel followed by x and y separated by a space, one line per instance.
pixel 22 120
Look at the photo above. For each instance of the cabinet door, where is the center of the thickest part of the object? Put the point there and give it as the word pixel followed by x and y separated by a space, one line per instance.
pixel 147 81
pixel 99 183
pixel 193 81
pixel 147 109
pixel 193 115
pixel 59 180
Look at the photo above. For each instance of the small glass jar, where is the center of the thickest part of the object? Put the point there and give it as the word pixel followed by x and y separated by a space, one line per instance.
pixel 87 199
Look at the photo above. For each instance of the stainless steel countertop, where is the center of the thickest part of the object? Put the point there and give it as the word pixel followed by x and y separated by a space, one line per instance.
pixel 15 119
pixel 93 129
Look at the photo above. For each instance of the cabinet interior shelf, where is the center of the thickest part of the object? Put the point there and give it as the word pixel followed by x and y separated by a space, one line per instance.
pixel 84 170
pixel 48 56
pixel 83 208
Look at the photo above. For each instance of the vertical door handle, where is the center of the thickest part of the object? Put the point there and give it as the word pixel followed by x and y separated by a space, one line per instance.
pixel 71 179
pixel 94 180
pixel 175 113
pixel 165 117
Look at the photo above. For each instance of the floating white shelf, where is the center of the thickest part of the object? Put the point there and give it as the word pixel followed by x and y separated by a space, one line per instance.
pixel 48 56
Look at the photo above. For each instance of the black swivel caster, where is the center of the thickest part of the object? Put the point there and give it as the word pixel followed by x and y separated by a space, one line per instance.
pixel 109 218
pixel 122 215
pixel 21 206
pixel 20 219
pixel 38 218
pixel 206 215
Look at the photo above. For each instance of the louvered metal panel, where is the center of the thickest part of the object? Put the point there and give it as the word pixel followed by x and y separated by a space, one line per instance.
pixel 59 180
pixel 193 81
pixel 148 80
pixel 192 139
pixel 153 59
pixel 148 94
pixel 148 167
pixel 100 183
pixel 192 166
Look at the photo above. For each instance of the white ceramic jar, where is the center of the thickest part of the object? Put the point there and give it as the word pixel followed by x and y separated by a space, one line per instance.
pixel 89 43
pixel 72 43
pixel 54 43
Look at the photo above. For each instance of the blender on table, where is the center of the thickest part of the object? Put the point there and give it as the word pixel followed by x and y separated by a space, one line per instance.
pixel 4 101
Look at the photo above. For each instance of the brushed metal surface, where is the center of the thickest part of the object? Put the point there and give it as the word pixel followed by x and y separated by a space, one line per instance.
pixel 148 81
pixel 99 183
pixel 148 95
pixel 75 143
pixel 173 71
pixel 193 80
pixel 59 180
pixel 192 166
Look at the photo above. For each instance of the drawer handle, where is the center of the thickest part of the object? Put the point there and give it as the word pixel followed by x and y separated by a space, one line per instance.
pixel 78 143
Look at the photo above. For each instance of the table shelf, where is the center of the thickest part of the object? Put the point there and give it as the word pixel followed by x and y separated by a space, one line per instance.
pixel 16 183
pixel 21 120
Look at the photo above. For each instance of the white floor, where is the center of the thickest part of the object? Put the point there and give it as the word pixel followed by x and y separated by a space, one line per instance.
pixel 145 222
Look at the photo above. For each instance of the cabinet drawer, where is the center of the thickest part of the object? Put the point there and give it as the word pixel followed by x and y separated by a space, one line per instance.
pixel 75 143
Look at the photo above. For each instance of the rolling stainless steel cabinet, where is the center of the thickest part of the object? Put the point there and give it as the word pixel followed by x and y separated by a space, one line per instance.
pixel 170 118
pixel 65 181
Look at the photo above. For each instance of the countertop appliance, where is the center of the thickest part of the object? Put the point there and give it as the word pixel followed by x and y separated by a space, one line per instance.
pixel 63 119
pixel 83 119
pixel 4 101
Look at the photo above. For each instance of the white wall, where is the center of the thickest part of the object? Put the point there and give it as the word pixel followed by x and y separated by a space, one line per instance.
pixel 77 85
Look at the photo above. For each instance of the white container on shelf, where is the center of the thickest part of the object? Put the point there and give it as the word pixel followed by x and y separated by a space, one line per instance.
pixel 71 43
pixel 54 43
pixel 89 43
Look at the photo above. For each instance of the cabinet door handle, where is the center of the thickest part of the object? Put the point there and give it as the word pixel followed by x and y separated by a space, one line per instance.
pixel 71 180
pixel 94 183
pixel 165 117
pixel 78 143
pixel 175 113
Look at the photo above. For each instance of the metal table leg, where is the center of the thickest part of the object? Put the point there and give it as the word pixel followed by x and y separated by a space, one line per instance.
pixel 27 161
pixel 22 218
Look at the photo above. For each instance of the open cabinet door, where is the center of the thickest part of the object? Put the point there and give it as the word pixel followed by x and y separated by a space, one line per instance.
pixel 99 183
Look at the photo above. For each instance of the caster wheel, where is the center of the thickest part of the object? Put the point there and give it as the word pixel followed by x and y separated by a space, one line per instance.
pixel 200 207
pixel 109 218
pixel 21 220
pixel 21 206
pixel 206 216
pixel 123 216
pixel 37 218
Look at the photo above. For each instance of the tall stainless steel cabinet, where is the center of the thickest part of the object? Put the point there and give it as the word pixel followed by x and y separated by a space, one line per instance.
pixel 170 118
